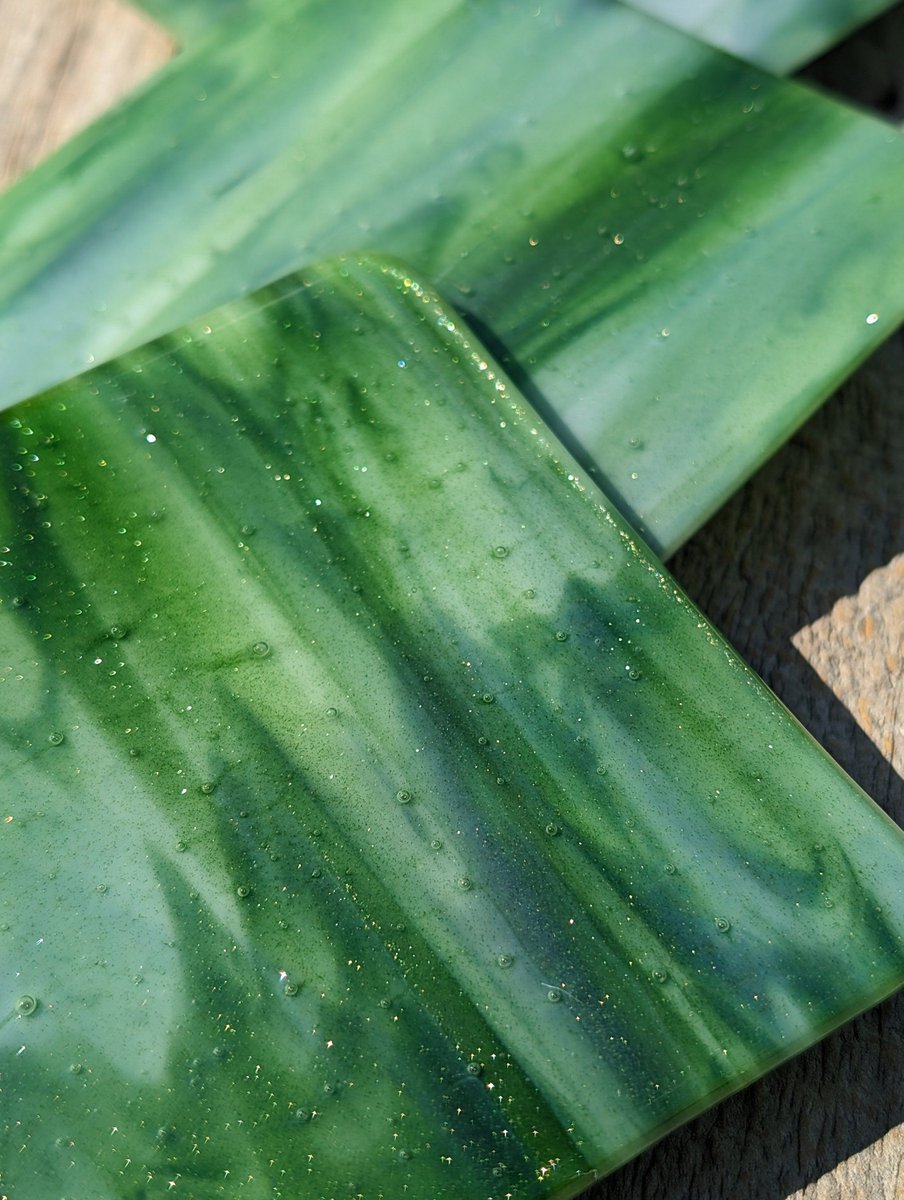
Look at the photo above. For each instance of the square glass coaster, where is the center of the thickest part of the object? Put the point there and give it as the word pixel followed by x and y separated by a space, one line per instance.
pixel 379 818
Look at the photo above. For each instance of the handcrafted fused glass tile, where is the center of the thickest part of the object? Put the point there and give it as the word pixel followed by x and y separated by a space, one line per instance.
pixel 379 817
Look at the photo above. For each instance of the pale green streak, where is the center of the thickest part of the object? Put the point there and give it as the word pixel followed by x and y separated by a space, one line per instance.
pixel 778 35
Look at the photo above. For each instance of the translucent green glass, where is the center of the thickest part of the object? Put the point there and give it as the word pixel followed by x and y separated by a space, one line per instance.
pixel 379 817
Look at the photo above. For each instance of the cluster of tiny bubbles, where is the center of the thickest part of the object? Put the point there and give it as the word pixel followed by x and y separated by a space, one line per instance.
pixel 561 635
pixel 722 924
pixel 403 797
pixel 243 891
pixel 25 1006
pixel 436 843
pixel 208 786
pixel 75 1068
pixel 500 552
pixel 554 996
pixel 302 1114
pixel 260 649
pixel 56 738
pixel 404 1154
pixel 385 1002
pixel 670 868
pixel 504 960
pixel 552 829
pixel 465 883
pixel 659 976
pixel 291 989
pixel 474 1068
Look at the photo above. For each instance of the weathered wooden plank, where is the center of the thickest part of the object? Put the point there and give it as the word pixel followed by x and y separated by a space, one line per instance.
pixel 63 63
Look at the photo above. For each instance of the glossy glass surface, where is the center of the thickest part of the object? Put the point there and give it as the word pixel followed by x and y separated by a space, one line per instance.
pixel 379 817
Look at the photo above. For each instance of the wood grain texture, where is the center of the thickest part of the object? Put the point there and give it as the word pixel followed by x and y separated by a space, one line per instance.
pixel 802 570
pixel 63 63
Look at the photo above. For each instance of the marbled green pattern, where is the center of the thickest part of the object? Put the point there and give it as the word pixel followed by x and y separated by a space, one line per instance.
pixel 363 834
pixel 677 256
pixel 779 35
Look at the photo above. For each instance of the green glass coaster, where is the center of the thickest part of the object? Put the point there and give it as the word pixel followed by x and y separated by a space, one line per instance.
pixel 379 817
